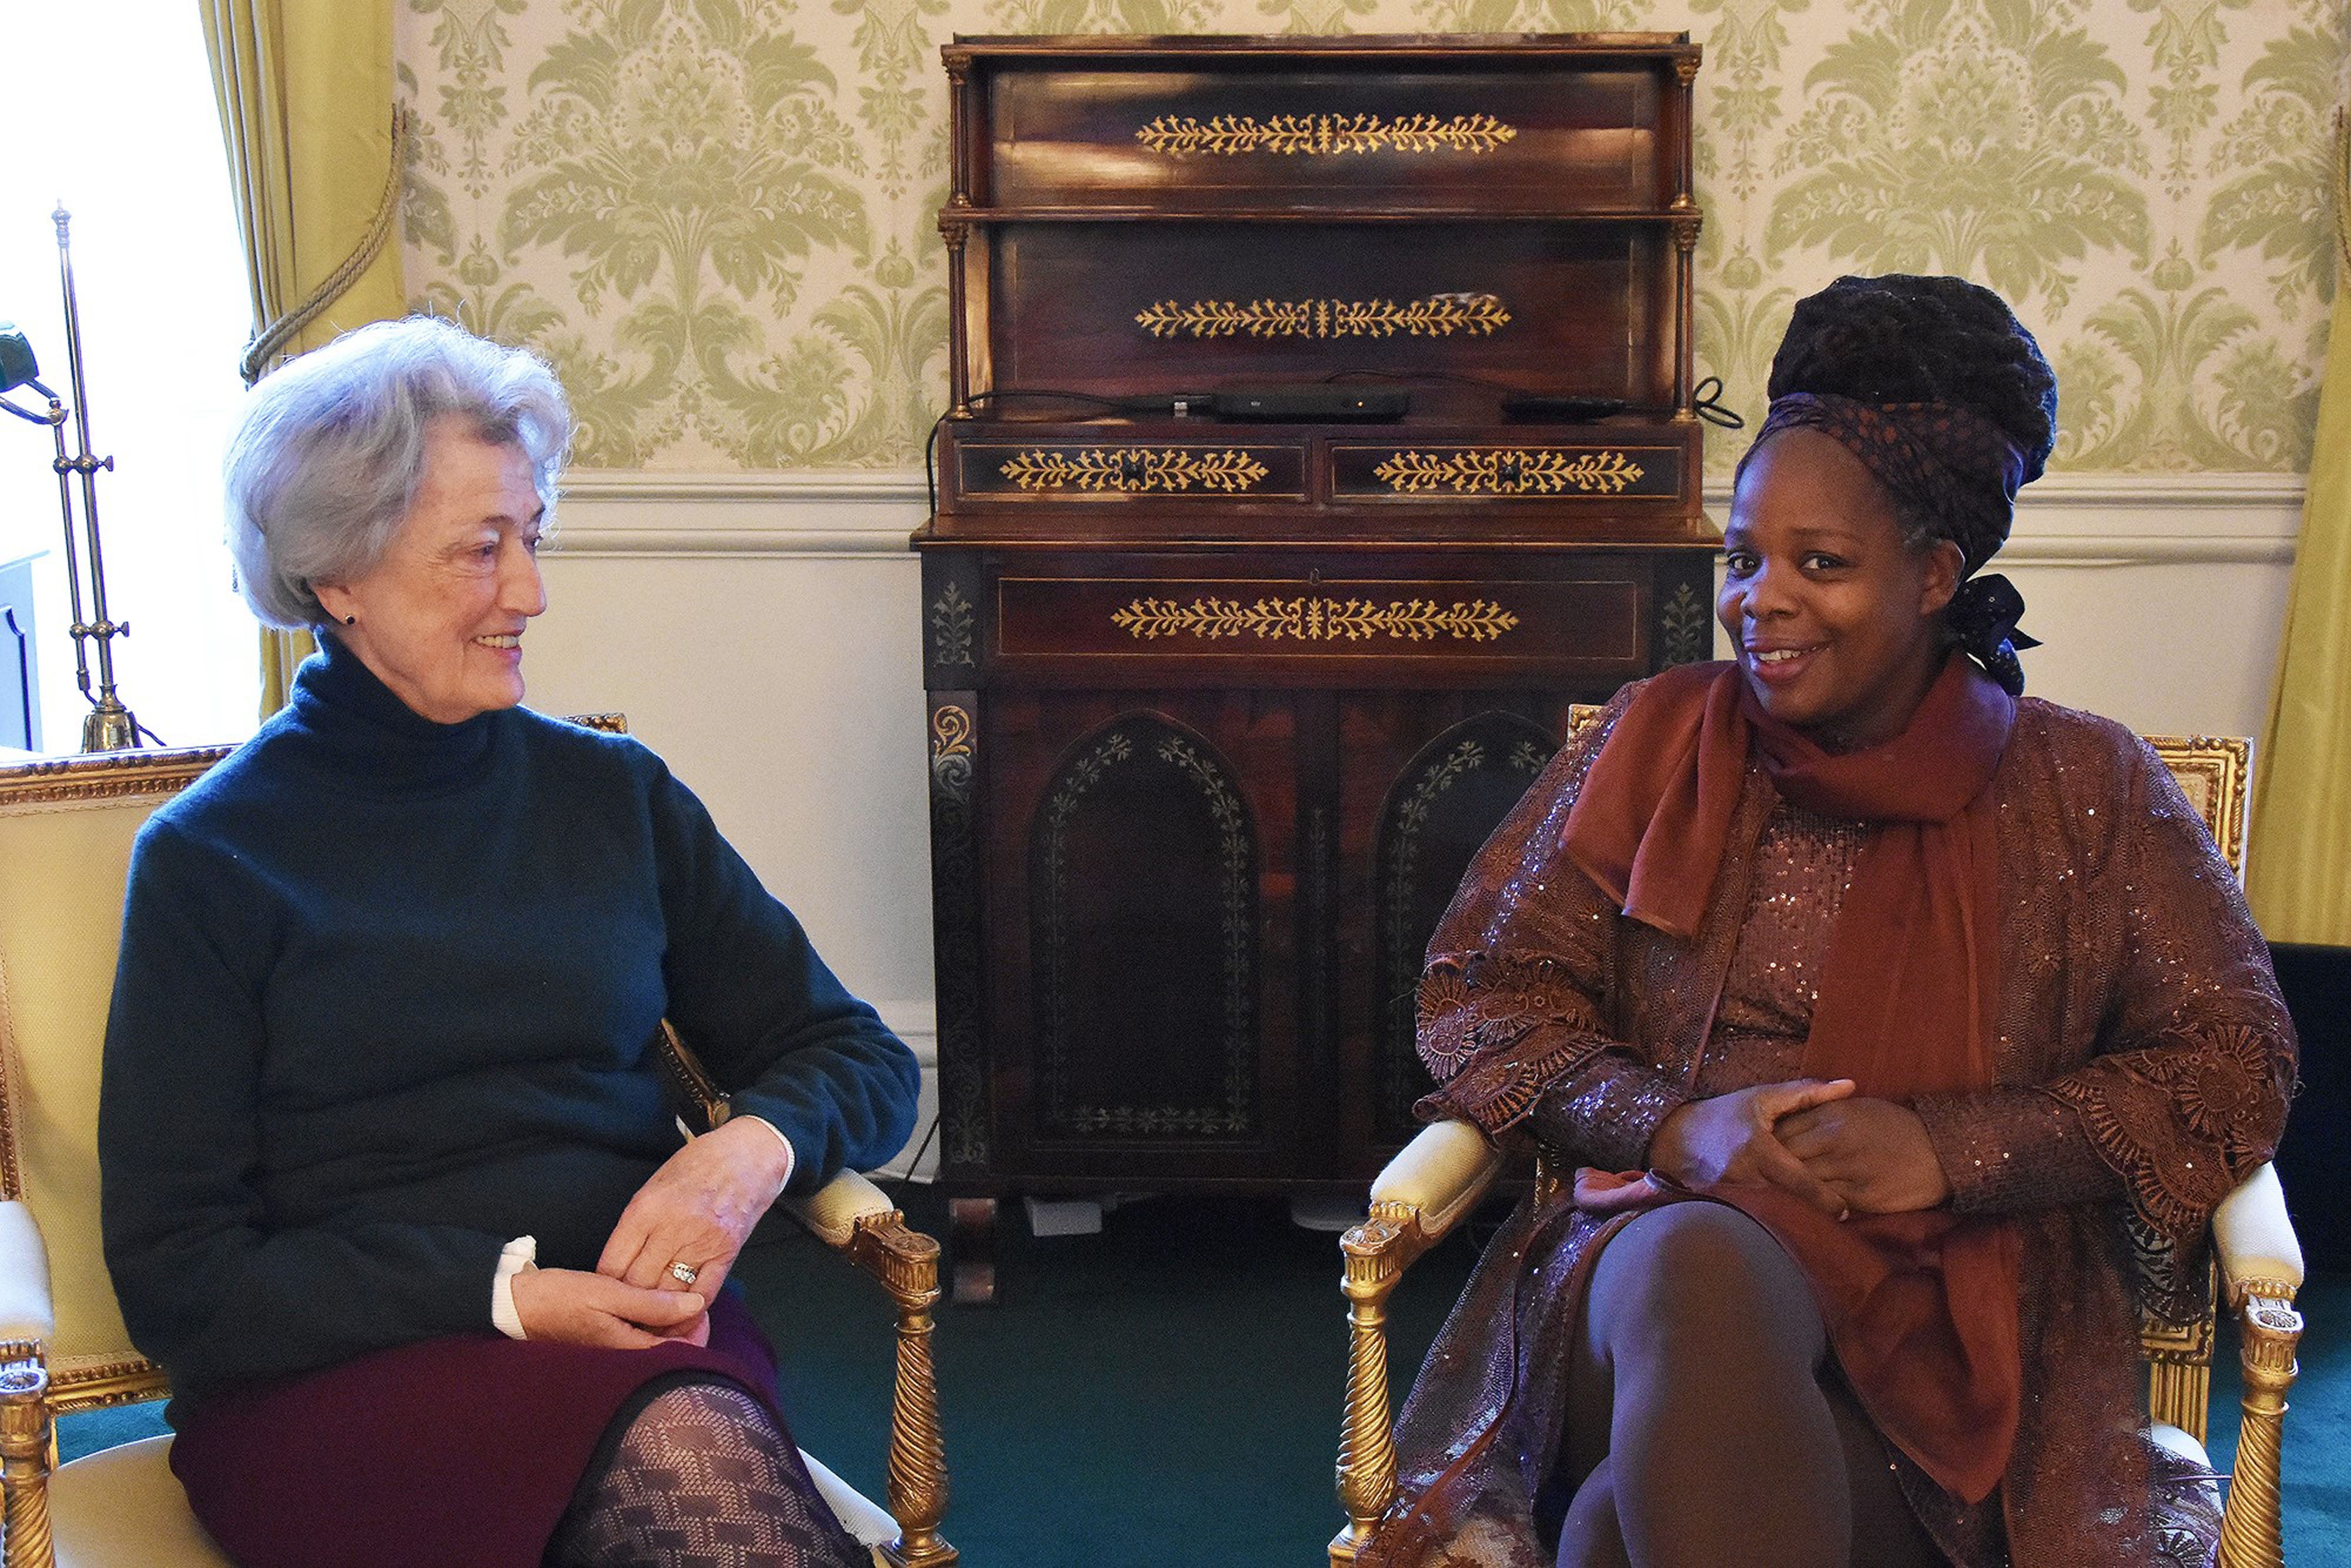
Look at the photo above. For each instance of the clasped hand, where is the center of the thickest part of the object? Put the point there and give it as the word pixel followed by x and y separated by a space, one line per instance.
pixel 1840 1151
pixel 697 1209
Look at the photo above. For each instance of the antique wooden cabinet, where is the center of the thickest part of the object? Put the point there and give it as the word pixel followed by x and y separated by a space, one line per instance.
pixel 1232 663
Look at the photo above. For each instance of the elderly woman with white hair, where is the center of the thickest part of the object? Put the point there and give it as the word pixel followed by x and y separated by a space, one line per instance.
pixel 392 1188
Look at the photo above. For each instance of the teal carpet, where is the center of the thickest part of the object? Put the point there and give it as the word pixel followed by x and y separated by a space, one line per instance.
pixel 1166 1394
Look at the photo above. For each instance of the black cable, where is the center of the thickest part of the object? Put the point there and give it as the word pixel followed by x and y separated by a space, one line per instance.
pixel 920 1150
pixel 1705 401
pixel 931 441
pixel 1410 376
pixel 930 461
pixel 138 729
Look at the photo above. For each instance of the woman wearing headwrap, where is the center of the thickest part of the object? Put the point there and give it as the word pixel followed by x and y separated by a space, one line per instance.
pixel 1906 1011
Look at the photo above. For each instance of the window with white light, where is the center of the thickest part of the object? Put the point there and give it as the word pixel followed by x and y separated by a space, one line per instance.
pixel 126 136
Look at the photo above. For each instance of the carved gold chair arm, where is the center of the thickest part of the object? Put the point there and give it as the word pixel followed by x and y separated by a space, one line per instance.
pixel 1424 1192
pixel 27 1322
pixel 2261 1270
pixel 857 1218
pixel 25 1455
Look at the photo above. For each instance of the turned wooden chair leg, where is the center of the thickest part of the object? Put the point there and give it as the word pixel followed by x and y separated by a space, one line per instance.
pixel 2251 1527
pixel 907 1264
pixel 25 1455
pixel 1374 1254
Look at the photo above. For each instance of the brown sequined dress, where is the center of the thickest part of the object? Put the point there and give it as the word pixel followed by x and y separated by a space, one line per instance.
pixel 2144 1062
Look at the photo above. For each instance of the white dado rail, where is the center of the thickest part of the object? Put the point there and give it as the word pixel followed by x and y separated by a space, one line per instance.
pixel 2064 519
pixel 818 515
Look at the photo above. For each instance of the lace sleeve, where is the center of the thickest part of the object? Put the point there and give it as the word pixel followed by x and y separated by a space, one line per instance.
pixel 2005 1150
pixel 1497 1030
pixel 2197 1053
pixel 1510 1002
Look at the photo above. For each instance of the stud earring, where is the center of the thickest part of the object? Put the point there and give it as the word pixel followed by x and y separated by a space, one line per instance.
pixel 350 619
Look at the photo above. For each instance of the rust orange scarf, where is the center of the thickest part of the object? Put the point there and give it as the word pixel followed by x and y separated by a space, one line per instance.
pixel 1920 1307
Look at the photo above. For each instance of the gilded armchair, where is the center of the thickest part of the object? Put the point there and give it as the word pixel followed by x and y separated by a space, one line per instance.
pixel 1442 1175
pixel 66 831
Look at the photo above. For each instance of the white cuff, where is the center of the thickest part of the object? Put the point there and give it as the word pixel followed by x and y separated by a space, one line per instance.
pixel 791 1160
pixel 520 1253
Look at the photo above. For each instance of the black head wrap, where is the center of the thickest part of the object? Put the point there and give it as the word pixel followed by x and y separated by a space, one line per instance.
pixel 1946 400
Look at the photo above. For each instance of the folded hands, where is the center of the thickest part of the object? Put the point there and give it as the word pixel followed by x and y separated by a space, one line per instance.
pixel 1840 1152
pixel 696 1211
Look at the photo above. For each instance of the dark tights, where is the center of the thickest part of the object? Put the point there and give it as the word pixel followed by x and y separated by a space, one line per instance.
pixel 703 1478
pixel 1705 1426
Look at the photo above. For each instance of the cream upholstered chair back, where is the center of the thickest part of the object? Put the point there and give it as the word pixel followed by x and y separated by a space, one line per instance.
pixel 2216 775
pixel 65 832
pixel 66 829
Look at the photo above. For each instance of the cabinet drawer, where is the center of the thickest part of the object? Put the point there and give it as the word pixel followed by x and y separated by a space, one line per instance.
pixel 1558 129
pixel 1406 470
pixel 1588 620
pixel 1121 310
pixel 1397 479
pixel 1051 469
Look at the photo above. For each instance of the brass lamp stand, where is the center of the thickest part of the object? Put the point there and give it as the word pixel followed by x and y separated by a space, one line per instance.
pixel 109 726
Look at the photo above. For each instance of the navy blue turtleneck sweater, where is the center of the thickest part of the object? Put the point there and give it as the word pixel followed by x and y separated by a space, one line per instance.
pixel 386 1001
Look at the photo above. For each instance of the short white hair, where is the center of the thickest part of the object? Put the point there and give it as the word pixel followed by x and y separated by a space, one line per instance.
pixel 327 461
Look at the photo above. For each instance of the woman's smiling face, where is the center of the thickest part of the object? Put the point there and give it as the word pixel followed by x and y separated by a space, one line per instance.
pixel 1836 621
pixel 440 618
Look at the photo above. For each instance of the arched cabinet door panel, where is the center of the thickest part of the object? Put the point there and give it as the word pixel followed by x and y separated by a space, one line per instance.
pixel 1142 922
pixel 1140 944
pixel 1442 808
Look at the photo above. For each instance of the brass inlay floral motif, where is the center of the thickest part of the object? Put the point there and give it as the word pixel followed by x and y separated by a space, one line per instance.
pixel 951 749
pixel 1682 627
pixel 1316 620
pixel 1131 470
pixel 951 628
pixel 1323 135
pixel 1508 470
pixel 1438 315
pixel 954 875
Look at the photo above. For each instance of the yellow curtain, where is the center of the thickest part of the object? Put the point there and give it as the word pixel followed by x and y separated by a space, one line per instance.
pixel 2299 868
pixel 306 103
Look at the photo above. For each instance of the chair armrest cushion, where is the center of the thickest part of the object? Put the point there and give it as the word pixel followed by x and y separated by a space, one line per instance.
pixel 1443 1173
pixel 2254 1235
pixel 833 1211
pixel 26 1308
pixel 867 1521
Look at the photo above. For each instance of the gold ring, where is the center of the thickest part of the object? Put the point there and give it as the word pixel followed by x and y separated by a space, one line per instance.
pixel 684 1273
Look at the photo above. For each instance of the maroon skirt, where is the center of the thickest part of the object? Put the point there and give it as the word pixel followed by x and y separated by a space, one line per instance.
pixel 461 1452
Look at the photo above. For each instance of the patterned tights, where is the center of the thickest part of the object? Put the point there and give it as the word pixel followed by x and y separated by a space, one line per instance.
pixel 703 1478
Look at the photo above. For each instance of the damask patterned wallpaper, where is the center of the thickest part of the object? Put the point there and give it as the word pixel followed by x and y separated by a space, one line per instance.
pixel 717 217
